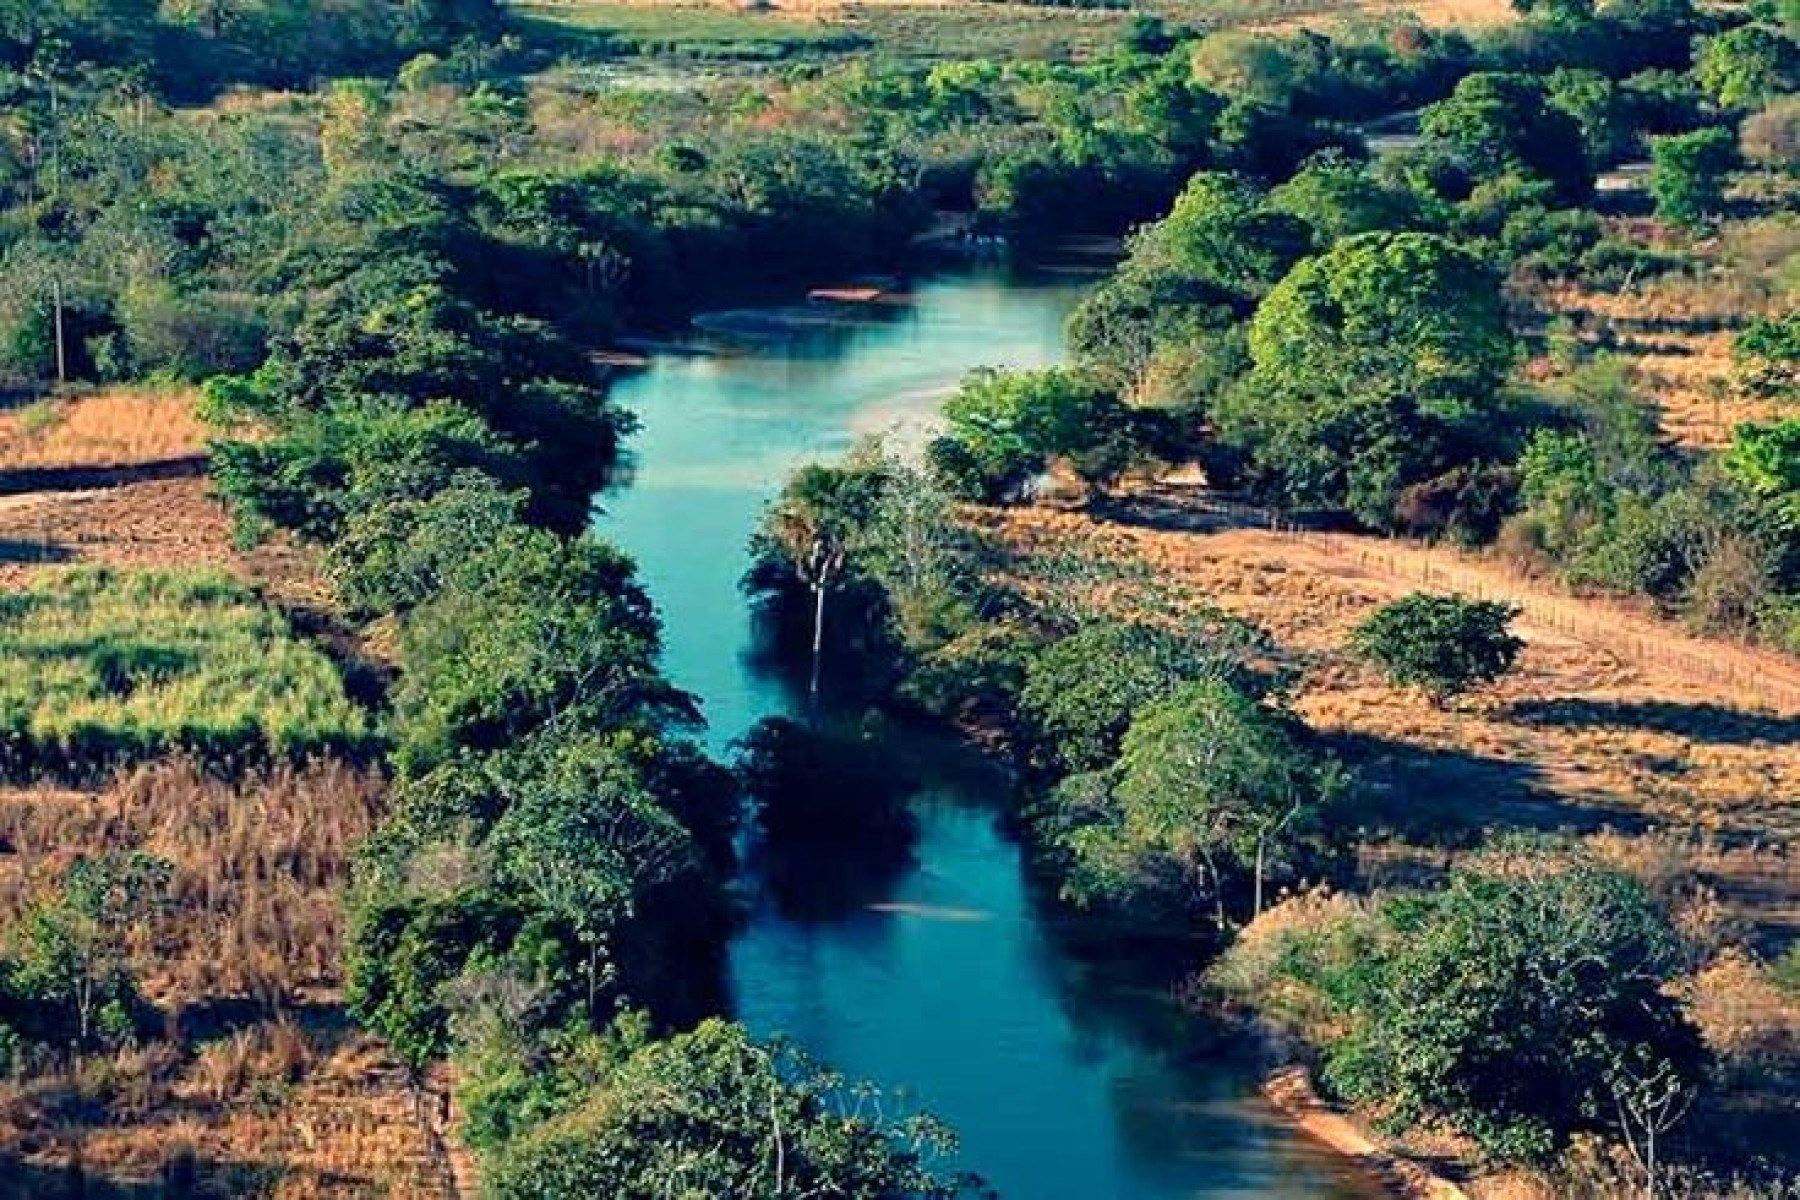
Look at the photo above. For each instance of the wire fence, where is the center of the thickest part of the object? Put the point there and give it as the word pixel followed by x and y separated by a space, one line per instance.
pixel 1758 678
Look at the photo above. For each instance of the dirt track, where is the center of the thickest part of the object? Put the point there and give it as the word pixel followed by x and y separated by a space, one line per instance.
pixel 1735 674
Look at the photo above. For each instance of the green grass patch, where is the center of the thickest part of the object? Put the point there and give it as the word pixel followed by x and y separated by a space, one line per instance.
pixel 677 31
pixel 99 668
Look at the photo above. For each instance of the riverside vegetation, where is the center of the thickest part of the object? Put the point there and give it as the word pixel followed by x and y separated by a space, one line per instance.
pixel 380 238
pixel 1342 339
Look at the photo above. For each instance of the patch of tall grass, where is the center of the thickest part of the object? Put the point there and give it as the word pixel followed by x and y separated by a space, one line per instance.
pixel 100 667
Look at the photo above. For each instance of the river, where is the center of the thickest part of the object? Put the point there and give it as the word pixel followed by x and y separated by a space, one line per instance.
pixel 949 982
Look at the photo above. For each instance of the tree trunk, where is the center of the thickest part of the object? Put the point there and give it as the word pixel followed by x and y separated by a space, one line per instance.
pixel 818 641
pixel 62 353
pixel 1259 877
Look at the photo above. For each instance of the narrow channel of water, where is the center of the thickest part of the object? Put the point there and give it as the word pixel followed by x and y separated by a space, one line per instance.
pixel 1065 1081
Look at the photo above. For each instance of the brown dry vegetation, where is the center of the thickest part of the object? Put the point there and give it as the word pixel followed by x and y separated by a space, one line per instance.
pixel 1676 329
pixel 285 1109
pixel 115 427
pixel 258 1086
pixel 116 478
pixel 1435 14
pixel 257 868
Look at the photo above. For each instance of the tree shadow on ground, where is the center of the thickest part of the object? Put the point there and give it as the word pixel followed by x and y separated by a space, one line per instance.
pixel 1450 799
pixel 1710 723
pixel 26 1181
pixel 22 480
pixel 13 550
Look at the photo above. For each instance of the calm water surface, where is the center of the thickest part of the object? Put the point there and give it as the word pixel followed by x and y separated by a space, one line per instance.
pixel 1064 1081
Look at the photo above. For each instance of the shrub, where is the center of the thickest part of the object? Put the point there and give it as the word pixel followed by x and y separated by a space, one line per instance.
pixel 1081 692
pixel 1687 174
pixel 1443 645
pixel 1521 1002
pixel 710 1112
pixel 1012 424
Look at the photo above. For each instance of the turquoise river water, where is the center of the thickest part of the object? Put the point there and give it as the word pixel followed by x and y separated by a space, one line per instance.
pixel 1065 1080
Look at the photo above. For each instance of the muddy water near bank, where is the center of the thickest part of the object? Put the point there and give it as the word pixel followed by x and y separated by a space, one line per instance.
pixel 948 979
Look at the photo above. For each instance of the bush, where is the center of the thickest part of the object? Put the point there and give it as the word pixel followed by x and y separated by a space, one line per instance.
pixel 1687 174
pixel 1011 425
pixel 1443 645
pixel 1082 692
pixel 1522 1003
pixel 708 1112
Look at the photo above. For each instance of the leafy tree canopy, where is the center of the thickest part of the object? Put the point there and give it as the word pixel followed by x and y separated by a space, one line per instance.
pixel 1372 367
pixel 1517 1002
pixel 1442 644
pixel 1498 124
pixel 712 1113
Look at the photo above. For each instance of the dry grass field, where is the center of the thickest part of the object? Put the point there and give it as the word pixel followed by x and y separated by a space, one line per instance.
pixel 110 428
pixel 257 1086
pixel 1676 329
pixel 117 478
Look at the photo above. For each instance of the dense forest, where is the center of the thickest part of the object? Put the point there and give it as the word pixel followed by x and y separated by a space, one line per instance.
pixel 383 241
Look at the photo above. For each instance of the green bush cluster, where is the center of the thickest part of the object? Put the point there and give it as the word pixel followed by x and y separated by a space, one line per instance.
pixel 1162 785
pixel 1525 1001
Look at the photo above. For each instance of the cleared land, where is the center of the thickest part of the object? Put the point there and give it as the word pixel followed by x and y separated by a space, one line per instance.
pixel 258 1084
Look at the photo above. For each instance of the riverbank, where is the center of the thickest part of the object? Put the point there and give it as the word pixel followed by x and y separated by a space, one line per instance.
pixel 1290 1090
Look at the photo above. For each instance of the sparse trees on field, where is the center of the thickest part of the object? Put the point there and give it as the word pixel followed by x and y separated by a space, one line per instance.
pixel 73 946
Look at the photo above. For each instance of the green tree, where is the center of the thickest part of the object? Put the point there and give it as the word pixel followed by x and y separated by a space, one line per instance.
pixel 1009 425
pixel 1498 124
pixel 1746 67
pixel 404 952
pixel 1600 107
pixel 539 632
pixel 712 1113
pixel 1444 645
pixel 1082 691
pixel 1207 779
pixel 1519 1003
pixel 1765 356
pixel 396 555
pixel 821 517
pixel 72 947
pixel 1339 198
pixel 1687 174
pixel 583 835
pixel 1373 366
pixel 1765 459
pixel 1221 234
